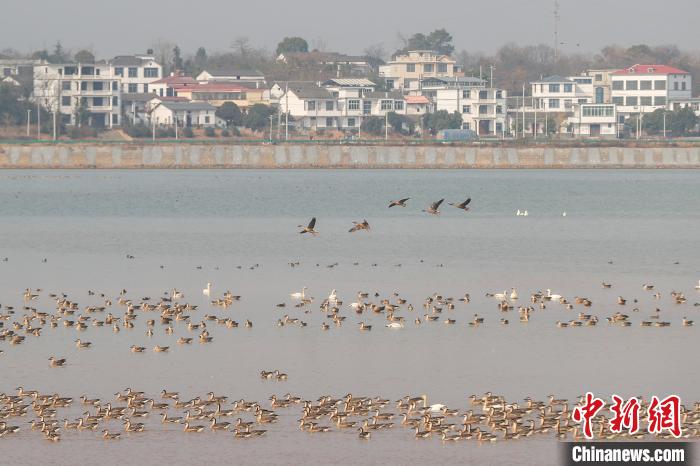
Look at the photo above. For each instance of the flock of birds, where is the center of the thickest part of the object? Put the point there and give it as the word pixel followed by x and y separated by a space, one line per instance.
pixel 433 209
pixel 183 323
pixel 487 418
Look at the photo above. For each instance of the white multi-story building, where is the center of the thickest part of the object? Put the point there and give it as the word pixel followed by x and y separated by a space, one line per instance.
pixel 594 120
pixel 93 88
pixel 561 94
pixel 483 109
pixel 136 72
pixel 75 89
pixel 644 88
pixel 404 70
pixel 315 107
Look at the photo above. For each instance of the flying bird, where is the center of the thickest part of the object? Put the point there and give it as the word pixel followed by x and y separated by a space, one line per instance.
pixel 433 209
pixel 359 226
pixel 309 228
pixel 463 205
pixel 400 203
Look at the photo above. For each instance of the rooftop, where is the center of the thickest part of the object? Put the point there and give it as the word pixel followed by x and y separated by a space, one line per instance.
pixel 349 82
pixel 416 99
pixel 192 106
pixel 650 69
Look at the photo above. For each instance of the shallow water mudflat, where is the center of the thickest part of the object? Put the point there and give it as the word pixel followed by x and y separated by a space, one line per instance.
pixel 88 233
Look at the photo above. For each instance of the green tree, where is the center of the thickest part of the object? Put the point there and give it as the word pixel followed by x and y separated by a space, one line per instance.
pixel 257 117
pixel 230 113
pixel 81 112
pixel 400 123
pixel 683 121
pixel 84 56
pixel 292 45
pixel 177 58
pixel 442 119
pixel 439 41
pixel 59 54
pixel 678 123
pixel 200 58
pixel 13 111
pixel 373 125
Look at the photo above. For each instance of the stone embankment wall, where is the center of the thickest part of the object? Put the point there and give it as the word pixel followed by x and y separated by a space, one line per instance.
pixel 170 155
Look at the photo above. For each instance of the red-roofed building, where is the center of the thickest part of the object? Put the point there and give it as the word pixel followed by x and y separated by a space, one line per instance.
pixel 643 88
pixel 168 86
pixel 417 105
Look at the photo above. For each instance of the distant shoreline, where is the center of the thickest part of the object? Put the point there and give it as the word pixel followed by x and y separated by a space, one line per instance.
pixel 171 154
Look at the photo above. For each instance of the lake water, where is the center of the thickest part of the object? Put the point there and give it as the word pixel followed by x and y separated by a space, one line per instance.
pixel 71 232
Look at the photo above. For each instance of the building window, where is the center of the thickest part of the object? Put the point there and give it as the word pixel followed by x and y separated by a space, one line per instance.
pixel 631 85
pixel 568 88
pixel 598 77
pixel 683 86
pixel 115 101
pixel 645 85
pixel 661 100
pixel 411 68
pixel 398 105
pixel 631 101
pixel 617 85
pixel 645 100
pixel 554 88
pixel 597 111
pixel 133 72
pixel 329 105
pixel 466 108
pixel 618 100
pixel 311 105
pixel 582 101
pixel 65 85
pixel 329 122
pixel 353 104
pixel 483 95
pixel 65 101
pixel 115 119
pixel 97 101
pixel 115 85
pixel 133 88
pixel 675 86
pixel 83 85
pixel 386 104
pixel 499 94
pixel 553 103
pixel 389 83
pixel 428 68
pixel 499 108
pixel 206 119
pixel 442 67
pixel 465 94
pixel 465 126
pixel 119 71
pixel 150 72
pixel 660 85
pixel 351 122
pixel 145 88
pixel 98 86
pixel 483 109
pixel 499 127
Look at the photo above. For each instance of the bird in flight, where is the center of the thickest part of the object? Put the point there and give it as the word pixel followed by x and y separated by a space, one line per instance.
pixel 400 203
pixel 309 228
pixel 357 226
pixel 433 209
pixel 463 205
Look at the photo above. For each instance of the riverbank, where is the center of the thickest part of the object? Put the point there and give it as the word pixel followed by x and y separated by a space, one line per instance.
pixel 179 155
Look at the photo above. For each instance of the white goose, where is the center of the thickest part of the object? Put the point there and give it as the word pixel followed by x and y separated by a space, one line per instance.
pixel 333 298
pixel 299 295
pixel 697 287
pixel 553 297
pixel 513 294
pixel 395 325
pixel 207 291
pixel 500 296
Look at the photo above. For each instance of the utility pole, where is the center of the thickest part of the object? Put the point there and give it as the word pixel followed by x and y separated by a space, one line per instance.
pixel 491 81
pixel 38 119
pixel 523 131
pixel 176 125
pixel 664 123
pixel 271 116
pixel 556 30
pixel 29 116
pixel 386 125
pixel 286 111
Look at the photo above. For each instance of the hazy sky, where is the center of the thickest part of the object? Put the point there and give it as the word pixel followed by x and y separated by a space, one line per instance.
pixel 128 26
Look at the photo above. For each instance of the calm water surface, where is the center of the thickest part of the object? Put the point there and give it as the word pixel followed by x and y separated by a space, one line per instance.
pixel 84 223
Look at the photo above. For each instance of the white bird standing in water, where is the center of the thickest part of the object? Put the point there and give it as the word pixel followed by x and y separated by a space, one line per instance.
pixel 333 298
pixel 207 291
pixel 299 295
pixel 513 294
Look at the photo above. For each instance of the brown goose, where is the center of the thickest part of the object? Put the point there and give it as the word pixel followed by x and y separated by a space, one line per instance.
pixel 309 228
pixel 400 202
pixel 463 205
pixel 433 209
pixel 359 226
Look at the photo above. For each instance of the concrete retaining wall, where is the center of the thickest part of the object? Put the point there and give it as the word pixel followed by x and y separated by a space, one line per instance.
pixel 338 156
